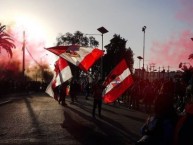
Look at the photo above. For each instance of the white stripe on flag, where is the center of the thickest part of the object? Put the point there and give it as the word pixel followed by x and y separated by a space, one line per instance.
pixel 62 73
pixel 122 77
pixel 63 76
pixel 117 82
pixel 83 57
pixel 49 89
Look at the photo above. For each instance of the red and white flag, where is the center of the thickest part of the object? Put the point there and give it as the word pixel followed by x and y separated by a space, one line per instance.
pixel 62 73
pixel 117 82
pixel 83 57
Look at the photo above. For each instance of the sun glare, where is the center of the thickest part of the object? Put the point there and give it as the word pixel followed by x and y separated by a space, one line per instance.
pixel 36 37
pixel 33 28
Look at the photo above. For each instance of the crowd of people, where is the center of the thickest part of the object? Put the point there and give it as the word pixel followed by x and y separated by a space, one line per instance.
pixel 168 103
pixel 14 86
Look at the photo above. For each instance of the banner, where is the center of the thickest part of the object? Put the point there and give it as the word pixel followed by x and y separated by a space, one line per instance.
pixel 117 82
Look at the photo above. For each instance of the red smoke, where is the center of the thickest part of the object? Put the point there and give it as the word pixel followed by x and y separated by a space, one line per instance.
pixel 34 46
pixel 174 51
pixel 178 48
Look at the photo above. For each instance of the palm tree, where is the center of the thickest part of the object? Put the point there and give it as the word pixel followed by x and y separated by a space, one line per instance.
pixel 6 42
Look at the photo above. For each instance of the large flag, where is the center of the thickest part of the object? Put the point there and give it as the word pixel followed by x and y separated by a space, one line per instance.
pixel 83 57
pixel 62 73
pixel 117 82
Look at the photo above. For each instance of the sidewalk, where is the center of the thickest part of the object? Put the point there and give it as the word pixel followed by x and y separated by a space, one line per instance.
pixel 8 98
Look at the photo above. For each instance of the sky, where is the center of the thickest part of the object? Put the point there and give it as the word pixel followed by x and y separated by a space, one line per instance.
pixel 167 36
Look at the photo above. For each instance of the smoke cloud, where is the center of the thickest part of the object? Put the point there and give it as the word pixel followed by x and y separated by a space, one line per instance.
pixel 179 46
pixel 177 49
pixel 35 55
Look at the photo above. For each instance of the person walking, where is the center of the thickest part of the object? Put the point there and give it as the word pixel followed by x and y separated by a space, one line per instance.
pixel 74 87
pixel 97 95
pixel 87 90
pixel 62 92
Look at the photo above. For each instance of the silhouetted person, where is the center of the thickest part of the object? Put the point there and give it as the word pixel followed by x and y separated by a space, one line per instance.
pixel 74 87
pixel 184 127
pixel 56 91
pixel 87 90
pixel 148 97
pixel 160 126
pixel 97 95
pixel 62 92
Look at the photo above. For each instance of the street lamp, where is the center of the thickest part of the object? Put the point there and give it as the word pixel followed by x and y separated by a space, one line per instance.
pixel 103 31
pixel 143 29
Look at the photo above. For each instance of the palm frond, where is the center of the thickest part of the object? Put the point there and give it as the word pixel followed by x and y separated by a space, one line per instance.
pixel 6 42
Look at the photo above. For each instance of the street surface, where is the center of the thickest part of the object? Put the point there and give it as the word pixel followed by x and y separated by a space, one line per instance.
pixel 37 119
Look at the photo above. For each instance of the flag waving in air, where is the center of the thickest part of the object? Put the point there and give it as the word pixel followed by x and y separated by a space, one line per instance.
pixel 117 82
pixel 62 73
pixel 83 57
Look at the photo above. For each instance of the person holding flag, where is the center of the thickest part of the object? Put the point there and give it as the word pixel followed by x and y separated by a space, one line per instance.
pixel 57 87
pixel 97 95
pixel 62 92
pixel 116 83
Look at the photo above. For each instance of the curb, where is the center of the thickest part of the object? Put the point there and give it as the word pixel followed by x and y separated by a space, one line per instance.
pixel 5 102
pixel 11 97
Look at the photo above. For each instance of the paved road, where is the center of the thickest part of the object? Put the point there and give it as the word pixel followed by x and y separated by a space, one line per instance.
pixel 37 119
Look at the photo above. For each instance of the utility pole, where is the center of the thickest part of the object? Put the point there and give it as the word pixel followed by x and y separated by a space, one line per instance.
pixel 159 72
pixel 163 72
pixel 23 48
pixel 143 29
pixel 168 71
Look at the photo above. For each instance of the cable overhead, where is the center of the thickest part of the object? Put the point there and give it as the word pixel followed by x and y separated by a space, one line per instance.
pixel 33 58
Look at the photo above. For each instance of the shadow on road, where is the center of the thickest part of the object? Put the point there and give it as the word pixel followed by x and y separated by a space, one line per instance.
pixel 103 131
pixel 117 125
pixel 35 130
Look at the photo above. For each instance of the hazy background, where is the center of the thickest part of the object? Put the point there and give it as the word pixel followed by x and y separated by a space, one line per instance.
pixel 169 26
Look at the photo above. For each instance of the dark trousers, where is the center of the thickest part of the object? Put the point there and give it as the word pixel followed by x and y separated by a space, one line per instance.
pixel 97 103
pixel 73 97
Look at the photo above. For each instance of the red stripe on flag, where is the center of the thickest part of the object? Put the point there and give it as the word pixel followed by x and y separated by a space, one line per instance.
pixel 90 59
pixel 83 57
pixel 63 72
pixel 61 75
pixel 116 71
pixel 117 82
pixel 118 90
pixel 62 63
pixel 58 49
